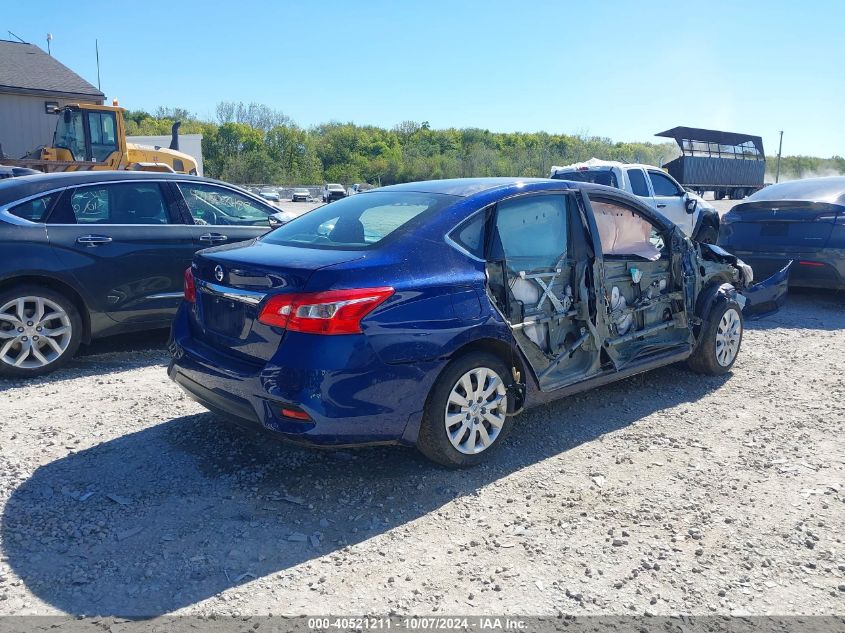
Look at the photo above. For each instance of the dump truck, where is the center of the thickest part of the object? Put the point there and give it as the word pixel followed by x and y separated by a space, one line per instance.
pixel 93 137
pixel 726 163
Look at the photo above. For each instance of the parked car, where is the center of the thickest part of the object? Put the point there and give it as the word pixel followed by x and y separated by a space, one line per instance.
pixel 333 191
pixel 14 172
pixel 430 313
pixel 696 217
pixel 300 194
pixel 269 194
pixel 802 221
pixel 358 187
pixel 88 254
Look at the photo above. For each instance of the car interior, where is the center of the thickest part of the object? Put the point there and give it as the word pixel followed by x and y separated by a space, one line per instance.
pixel 540 277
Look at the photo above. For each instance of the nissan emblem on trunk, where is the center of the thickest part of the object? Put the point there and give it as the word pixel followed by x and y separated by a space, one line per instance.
pixel 218 272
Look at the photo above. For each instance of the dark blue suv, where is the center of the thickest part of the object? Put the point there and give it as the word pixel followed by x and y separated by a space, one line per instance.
pixel 430 313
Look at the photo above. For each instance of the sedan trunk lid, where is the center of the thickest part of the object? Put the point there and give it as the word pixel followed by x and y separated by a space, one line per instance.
pixel 232 281
pixel 779 226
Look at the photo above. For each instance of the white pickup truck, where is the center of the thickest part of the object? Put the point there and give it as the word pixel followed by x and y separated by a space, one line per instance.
pixel 655 187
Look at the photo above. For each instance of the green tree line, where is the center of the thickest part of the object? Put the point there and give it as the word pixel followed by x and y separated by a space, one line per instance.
pixel 252 143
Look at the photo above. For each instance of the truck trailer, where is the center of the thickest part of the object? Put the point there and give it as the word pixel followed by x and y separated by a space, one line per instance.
pixel 726 163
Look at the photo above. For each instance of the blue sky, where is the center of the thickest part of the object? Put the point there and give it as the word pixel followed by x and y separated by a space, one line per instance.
pixel 624 70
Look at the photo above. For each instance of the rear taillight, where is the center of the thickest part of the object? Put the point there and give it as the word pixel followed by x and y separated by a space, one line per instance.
pixel 189 287
pixel 330 312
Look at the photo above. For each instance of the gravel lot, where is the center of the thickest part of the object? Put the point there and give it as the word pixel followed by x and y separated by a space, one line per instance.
pixel 668 492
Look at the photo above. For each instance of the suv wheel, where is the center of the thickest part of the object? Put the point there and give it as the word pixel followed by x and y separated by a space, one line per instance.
pixel 40 330
pixel 720 340
pixel 465 417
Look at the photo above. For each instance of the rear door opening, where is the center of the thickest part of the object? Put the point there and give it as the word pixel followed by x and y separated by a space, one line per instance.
pixel 538 278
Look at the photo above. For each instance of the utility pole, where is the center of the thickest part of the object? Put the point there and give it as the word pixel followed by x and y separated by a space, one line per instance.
pixel 97 48
pixel 49 39
pixel 780 146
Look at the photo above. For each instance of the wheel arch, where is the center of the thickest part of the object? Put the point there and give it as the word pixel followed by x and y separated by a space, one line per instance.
pixel 59 286
pixel 509 354
pixel 708 297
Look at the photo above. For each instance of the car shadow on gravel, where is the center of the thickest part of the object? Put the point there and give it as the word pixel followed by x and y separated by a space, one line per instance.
pixel 160 519
pixel 806 309
pixel 110 355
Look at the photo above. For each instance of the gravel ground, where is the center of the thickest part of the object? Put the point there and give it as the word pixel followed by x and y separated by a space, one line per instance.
pixel 665 493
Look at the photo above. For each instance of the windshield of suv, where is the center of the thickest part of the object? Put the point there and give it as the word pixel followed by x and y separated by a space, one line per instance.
pixel 358 221
pixel 595 176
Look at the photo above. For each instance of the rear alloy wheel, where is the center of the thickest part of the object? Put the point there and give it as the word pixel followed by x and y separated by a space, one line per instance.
pixel 720 341
pixel 466 414
pixel 39 331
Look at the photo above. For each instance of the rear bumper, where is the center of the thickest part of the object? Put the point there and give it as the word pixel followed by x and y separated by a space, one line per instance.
pixel 809 270
pixel 350 396
pixel 815 269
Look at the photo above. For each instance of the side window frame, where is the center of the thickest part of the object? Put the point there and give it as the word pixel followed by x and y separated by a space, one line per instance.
pixel 663 231
pixel 54 197
pixel 64 209
pixel 493 240
pixel 186 208
pixel 452 236
pixel 679 190
pixel 646 181
pixel 99 116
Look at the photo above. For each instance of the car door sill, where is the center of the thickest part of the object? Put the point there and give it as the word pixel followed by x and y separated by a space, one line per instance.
pixel 667 357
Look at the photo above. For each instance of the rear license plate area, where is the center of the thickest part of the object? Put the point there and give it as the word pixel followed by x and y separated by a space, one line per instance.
pixel 223 316
pixel 774 229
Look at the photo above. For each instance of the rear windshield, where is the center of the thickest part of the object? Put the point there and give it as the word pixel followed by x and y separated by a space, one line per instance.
pixel 595 176
pixel 358 221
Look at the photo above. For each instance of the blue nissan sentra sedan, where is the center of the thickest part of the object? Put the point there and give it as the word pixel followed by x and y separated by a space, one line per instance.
pixel 431 313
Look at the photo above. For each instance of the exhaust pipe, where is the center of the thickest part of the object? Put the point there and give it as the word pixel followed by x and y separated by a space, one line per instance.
pixel 174 136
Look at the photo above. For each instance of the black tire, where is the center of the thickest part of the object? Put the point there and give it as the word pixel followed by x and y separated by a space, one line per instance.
pixel 707 234
pixel 69 343
pixel 433 440
pixel 718 195
pixel 705 359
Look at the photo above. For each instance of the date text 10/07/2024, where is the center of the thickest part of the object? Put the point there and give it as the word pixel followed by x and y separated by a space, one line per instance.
pixel 479 623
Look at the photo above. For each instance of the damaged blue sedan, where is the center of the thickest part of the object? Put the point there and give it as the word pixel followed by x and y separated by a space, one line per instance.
pixel 432 313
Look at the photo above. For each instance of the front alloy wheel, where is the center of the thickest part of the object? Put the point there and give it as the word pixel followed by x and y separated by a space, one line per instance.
pixel 719 340
pixel 39 330
pixel 728 336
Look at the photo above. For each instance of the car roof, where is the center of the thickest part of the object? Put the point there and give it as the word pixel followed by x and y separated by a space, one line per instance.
pixel 596 162
pixel 465 187
pixel 830 189
pixel 25 186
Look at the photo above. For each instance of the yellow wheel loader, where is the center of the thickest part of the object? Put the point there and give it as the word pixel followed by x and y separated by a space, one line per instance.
pixel 90 136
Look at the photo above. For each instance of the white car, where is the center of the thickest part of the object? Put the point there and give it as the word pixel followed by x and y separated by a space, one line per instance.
pixel 696 217
pixel 333 191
